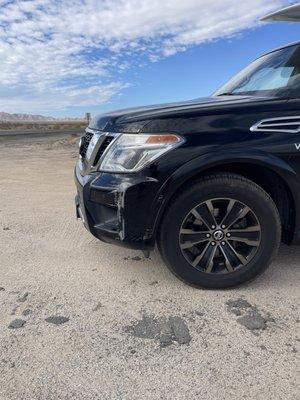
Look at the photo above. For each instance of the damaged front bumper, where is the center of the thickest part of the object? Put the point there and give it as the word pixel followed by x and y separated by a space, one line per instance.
pixel 118 208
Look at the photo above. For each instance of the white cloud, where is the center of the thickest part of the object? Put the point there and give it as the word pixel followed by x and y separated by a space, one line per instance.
pixel 56 54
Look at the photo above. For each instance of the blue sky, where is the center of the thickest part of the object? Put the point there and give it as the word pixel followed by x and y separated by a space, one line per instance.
pixel 88 55
pixel 202 69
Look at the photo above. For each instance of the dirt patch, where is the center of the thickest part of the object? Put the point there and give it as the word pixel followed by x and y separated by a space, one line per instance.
pixel 237 307
pixel 248 315
pixel 165 330
pixel 253 321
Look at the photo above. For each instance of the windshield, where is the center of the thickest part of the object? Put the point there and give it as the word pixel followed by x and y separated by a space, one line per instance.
pixel 275 74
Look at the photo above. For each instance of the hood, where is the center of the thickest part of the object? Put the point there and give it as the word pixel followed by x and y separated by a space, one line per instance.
pixel 136 116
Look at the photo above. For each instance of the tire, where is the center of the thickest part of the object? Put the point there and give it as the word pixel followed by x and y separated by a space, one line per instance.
pixel 248 244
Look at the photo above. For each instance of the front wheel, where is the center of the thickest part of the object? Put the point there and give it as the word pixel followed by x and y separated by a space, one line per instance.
pixel 220 232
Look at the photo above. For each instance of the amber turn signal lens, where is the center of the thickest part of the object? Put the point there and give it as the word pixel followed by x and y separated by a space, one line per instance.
pixel 162 139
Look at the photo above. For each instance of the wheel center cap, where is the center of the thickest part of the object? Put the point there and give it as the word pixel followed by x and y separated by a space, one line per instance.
pixel 218 235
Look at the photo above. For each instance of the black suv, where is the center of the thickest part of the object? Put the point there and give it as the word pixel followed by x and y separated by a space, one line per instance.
pixel 214 182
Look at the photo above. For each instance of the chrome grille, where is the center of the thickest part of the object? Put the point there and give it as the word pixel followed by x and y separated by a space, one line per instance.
pixel 85 141
pixel 103 147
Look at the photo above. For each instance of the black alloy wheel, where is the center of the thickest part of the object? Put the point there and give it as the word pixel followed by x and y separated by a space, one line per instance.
pixel 219 235
pixel 220 231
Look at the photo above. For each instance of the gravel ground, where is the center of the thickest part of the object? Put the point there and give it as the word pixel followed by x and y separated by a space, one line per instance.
pixel 84 320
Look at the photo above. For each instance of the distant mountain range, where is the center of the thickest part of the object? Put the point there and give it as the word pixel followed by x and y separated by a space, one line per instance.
pixel 31 117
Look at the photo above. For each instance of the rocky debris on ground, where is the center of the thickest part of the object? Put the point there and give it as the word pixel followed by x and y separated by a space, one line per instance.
pixel 57 319
pixel 7 363
pixel 14 310
pixel 135 258
pixel 26 312
pixel 23 298
pixel 17 323
pixel 97 307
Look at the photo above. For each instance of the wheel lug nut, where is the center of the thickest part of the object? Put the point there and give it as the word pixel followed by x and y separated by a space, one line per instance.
pixel 223 243
pixel 213 243
pixel 213 227
pixel 228 234
pixel 223 226
pixel 208 235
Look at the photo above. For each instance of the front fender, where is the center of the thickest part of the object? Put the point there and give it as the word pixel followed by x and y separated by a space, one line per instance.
pixel 220 158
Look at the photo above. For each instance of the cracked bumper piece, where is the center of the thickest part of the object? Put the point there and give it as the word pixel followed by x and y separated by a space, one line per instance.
pixel 112 207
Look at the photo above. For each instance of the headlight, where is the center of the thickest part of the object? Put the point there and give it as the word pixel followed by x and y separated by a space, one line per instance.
pixel 132 152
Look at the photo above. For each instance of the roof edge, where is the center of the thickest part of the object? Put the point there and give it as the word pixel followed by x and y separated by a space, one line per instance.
pixel 289 14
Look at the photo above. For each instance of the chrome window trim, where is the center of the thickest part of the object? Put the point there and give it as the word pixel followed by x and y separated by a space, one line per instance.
pixel 269 125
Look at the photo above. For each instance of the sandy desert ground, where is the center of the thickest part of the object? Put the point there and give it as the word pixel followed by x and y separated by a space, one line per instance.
pixel 80 319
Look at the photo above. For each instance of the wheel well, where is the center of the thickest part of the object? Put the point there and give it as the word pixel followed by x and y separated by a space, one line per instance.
pixel 271 182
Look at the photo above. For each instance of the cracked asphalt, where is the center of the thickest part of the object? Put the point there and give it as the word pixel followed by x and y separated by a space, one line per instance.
pixel 80 319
